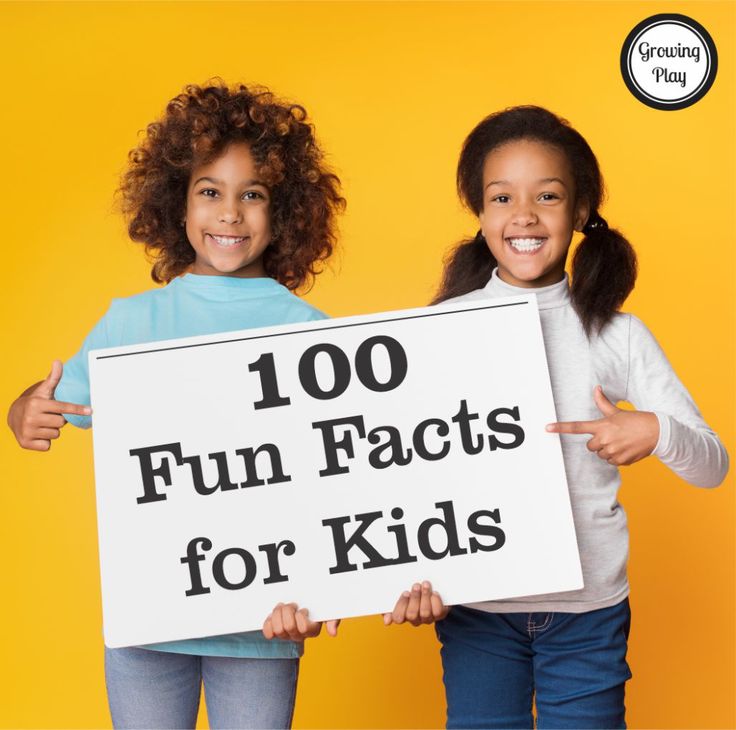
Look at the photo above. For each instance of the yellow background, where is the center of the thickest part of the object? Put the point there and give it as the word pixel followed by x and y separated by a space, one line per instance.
pixel 393 88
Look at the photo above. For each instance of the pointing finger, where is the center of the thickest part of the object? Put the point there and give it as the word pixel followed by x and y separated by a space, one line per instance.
pixel 74 409
pixel 573 427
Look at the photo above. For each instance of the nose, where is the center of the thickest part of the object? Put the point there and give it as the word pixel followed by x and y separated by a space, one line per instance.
pixel 524 215
pixel 229 213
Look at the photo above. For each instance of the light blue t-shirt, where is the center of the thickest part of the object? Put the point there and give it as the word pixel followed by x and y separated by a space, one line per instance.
pixel 191 305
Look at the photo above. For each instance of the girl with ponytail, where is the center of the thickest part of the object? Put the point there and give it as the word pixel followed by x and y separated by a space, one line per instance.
pixel 604 265
pixel 533 181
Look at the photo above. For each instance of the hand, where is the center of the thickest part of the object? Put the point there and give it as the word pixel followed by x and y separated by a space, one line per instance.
pixel 421 605
pixel 288 621
pixel 35 417
pixel 620 437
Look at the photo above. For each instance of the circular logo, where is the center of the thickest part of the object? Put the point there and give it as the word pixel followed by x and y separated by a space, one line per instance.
pixel 669 61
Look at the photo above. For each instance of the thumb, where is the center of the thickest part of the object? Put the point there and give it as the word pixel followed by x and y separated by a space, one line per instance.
pixel 47 387
pixel 604 405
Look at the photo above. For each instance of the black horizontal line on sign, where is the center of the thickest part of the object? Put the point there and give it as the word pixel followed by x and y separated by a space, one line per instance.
pixel 299 332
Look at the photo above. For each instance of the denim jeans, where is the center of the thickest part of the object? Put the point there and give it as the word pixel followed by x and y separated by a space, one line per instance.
pixel 573 665
pixel 156 689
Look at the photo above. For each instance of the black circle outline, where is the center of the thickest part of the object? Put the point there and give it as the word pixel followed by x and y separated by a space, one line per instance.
pixel 694 96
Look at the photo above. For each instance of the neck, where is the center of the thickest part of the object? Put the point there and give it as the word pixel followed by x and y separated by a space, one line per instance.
pixel 548 296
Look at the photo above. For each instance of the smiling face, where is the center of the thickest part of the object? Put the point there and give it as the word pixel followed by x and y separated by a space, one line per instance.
pixel 529 212
pixel 228 222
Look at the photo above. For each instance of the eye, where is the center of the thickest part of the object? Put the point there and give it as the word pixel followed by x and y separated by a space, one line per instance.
pixel 253 195
pixel 500 199
pixel 547 197
pixel 208 192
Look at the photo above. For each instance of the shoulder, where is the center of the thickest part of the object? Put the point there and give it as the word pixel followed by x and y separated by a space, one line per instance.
pixel 624 348
pixel 129 319
pixel 119 311
pixel 640 336
pixel 138 302
pixel 615 331
pixel 136 306
pixel 296 309
pixel 626 333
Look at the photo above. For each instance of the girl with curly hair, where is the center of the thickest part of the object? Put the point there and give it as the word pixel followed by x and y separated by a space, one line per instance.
pixel 232 199
pixel 532 181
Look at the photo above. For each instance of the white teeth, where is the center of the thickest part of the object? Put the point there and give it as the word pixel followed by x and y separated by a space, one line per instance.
pixel 525 244
pixel 228 240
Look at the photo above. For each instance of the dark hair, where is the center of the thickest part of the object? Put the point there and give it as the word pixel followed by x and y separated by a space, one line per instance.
pixel 604 264
pixel 196 127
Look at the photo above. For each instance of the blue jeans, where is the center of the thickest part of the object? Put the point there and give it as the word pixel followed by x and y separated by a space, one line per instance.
pixel 156 689
pixel 573 665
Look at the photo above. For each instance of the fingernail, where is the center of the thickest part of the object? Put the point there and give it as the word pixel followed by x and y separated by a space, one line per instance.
pixel 548 427
pixel 386 619
pixel 87 411
pixel 405 594
pixel 416 587
pixel 425 586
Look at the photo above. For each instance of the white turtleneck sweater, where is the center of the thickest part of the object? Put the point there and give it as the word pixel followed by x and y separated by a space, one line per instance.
pixel 627 362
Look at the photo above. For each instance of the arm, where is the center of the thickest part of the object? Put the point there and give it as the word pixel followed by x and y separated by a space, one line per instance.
pixel 667 424
pixel 686 443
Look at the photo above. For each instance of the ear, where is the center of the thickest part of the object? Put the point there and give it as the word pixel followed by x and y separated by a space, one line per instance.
pixel 481 221
pixel 582 213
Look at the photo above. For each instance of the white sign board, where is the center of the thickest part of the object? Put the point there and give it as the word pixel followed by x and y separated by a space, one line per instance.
pixel 330 463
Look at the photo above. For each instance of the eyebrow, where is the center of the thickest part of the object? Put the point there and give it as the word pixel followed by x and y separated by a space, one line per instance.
pixel 543 180
pixel 215 181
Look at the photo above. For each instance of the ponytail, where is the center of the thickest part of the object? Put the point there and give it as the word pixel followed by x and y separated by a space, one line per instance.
pixel 603 274
pixel 467 267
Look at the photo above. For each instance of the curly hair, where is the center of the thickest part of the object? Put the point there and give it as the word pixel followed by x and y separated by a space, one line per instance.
pixel 197 126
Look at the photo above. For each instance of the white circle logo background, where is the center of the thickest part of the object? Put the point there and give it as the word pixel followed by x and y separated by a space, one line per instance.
pixel 692 72
pixel 669 61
